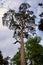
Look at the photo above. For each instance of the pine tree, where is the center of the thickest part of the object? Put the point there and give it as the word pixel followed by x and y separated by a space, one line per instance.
pixel 23 24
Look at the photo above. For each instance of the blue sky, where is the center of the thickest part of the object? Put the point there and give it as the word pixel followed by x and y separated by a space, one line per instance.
pixel 6 39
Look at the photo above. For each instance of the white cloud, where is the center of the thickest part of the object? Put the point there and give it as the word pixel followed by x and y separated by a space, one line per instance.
pixel 40 9
pixel 34 2
pixel 13 4
pixel 5 35
pixel 10 50
pixel 1 3
pixel 6 43
pixel 2 11
pixel 34 5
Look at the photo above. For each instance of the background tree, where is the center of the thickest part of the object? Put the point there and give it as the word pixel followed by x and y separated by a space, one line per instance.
pixel 6 60
pixel 41 20
pixel 23 24
pixel 3 61
pixel 1 58
pixel 16 58
pixel 34 51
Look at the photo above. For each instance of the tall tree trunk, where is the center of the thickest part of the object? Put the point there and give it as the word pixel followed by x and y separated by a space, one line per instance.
pixel 22 51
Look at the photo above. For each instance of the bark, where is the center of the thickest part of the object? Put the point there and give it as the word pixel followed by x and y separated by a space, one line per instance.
pixel 22 51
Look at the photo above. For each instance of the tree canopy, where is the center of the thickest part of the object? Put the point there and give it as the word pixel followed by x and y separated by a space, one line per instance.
pixel 34 51
pixel 23 19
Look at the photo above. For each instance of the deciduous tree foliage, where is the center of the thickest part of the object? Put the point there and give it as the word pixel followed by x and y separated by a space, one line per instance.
pixel 23 24
pixel 35 51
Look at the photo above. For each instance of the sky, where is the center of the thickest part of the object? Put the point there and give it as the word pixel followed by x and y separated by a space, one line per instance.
pixel 6 35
